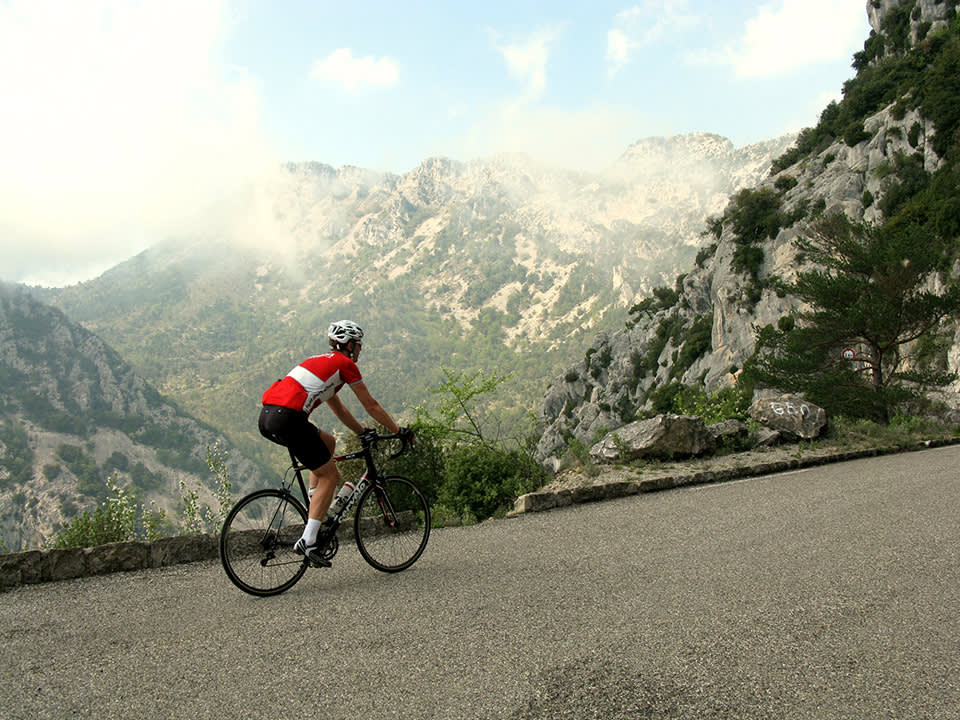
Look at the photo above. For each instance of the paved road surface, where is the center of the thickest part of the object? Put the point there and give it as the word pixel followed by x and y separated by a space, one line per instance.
pixel 831 593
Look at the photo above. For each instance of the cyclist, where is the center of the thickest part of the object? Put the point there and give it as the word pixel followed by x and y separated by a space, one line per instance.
pixel 287 405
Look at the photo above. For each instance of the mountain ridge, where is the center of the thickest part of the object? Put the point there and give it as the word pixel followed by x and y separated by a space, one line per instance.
pixel 498 263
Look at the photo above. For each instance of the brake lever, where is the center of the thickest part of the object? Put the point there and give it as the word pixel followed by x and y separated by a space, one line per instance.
pixel 405 445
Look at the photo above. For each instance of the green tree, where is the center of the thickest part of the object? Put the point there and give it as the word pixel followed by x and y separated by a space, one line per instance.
pixel 871 292
pixel 457 416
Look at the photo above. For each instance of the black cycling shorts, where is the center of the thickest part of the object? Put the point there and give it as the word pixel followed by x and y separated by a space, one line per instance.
pixel 292 429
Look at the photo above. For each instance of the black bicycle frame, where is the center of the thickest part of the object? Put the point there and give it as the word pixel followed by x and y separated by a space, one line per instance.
pixel 370 475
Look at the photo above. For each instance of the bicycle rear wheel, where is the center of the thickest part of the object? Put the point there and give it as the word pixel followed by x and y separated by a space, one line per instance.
pixel 256 543
pixel 392 524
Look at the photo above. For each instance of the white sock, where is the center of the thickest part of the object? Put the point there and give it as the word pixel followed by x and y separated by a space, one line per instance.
pixel 310 532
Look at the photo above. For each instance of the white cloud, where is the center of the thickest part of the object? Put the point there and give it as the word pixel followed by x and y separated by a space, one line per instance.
pixel 649 23
pixel 120 127
pixel 618 49
pixel 352 73
pixel 527 61
pixel 791 34
pixel 591 138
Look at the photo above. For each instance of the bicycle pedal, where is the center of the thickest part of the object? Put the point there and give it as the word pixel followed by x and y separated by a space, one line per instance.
pixel 317 561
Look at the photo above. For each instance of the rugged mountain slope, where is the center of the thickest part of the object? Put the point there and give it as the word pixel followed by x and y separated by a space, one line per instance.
pixel 497 265
pixel 72 413
pixel 889 149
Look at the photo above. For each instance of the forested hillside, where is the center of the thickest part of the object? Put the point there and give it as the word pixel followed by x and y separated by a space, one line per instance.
pixel 72 415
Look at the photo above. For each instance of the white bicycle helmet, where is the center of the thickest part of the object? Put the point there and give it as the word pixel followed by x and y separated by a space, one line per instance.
pixel 344 331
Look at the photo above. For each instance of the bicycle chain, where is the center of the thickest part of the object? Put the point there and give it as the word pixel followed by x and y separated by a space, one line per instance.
pixel 330 549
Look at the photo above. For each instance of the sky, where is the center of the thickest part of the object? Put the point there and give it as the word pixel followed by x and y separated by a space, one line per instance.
pixel 128 122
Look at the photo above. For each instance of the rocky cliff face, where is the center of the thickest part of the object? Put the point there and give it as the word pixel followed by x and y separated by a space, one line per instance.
pixel 72 414
pixel 706 332
pixel 914 18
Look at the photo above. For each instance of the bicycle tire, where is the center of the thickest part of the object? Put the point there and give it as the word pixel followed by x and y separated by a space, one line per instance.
pixel 256 543
pixel 392 524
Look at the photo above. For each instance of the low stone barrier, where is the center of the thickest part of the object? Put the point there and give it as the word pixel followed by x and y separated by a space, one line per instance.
pixel 549 500
pixel 37 566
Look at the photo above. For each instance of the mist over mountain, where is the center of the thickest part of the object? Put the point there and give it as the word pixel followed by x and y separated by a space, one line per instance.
pixel 499 265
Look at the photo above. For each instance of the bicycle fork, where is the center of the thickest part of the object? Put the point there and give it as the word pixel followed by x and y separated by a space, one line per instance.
pixel 386 508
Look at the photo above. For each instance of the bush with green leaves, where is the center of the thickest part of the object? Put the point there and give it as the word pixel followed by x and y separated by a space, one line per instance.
pixel 483 480
pixel 729 403
pixel 463 469
pixel 113 521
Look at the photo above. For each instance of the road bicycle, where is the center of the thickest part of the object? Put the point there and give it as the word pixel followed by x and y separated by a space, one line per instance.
pixel 391 525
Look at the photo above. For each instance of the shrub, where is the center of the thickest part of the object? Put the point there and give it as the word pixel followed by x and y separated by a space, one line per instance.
pixel 696 344
pixel 785 183
pixel 755 216
pixel 662 398
pixel 114 521
pixel 663 298
pixel 484 481
pixel 729 403
pixel 913 136
pixel 855 134
pixel 456 463
pixel 705 254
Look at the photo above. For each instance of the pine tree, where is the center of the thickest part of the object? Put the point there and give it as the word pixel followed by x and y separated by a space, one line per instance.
pixel 878 290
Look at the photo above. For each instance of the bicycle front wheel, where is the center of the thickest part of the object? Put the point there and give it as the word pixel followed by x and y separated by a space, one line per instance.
pixel 392 524
pixel 256 543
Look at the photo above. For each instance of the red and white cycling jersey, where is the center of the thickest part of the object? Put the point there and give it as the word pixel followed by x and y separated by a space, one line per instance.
pixel 313 381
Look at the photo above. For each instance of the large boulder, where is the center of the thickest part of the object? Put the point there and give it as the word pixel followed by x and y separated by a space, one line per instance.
pixel 790 415
pixel 663 436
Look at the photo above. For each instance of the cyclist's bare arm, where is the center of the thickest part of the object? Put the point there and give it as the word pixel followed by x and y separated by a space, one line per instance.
pixel 344 415
pixel 373 408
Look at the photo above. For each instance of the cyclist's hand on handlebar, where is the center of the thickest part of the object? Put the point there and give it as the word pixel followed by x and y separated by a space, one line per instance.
pixel 406 434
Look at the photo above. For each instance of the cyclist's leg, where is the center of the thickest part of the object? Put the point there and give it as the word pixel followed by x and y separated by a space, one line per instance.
pixel 314 448
pixel 323 480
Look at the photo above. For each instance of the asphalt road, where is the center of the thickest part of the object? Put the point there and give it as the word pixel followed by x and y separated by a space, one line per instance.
pixel 832 592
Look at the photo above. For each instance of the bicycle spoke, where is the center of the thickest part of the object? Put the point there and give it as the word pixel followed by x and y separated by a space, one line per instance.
pixel 392 524
pixel 256 544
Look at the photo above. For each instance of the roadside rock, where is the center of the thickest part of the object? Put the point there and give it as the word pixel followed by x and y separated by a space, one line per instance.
pixel 791 415
pixel 661 436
